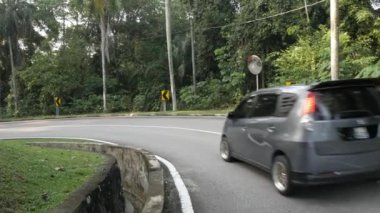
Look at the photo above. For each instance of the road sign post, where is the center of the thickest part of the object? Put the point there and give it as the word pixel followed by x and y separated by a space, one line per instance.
pixel 257 82
pixel 165 97
pixel 56 111
pixel 255 65
pixel 57 103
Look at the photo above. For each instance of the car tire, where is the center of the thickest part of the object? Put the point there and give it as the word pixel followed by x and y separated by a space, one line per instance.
pixel 281 175
pixel 225 151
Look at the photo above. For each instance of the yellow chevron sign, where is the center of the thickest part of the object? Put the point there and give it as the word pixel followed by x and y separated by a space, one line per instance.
pixel 165 95
pixel 58 101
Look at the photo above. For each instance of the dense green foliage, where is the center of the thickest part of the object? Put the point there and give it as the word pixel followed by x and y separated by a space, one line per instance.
pixel 57 51
pixel 359 55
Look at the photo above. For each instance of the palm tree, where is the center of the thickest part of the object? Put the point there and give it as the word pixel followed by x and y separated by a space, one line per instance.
pixel 100 7
pixel 15 22
pixel 104 10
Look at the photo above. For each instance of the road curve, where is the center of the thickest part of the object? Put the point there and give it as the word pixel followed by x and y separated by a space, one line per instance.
pixel 192 145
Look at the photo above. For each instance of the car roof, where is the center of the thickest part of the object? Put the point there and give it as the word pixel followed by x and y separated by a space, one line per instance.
pixel 297 89
pixel 284 89
pixel 348 82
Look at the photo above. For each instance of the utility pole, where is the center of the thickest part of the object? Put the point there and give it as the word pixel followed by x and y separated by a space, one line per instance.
pixel 103 47
pixel 334 22
pixel 193 51
pixel 307 11
pixel 64 25
pixel 170 55
pixel 13 69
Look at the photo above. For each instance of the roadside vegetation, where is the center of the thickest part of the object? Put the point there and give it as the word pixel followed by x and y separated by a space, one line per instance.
pixel 52 48
pixel 34 179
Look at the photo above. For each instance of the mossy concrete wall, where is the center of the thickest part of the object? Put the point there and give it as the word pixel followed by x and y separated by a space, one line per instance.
pixel 140 174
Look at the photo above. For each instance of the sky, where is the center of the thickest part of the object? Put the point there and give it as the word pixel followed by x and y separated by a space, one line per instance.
pixel 375 4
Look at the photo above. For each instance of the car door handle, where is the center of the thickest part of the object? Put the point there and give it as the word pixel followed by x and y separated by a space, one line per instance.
pixel 271 129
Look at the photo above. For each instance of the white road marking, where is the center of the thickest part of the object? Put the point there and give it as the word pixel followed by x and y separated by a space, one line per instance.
pixel 183 193
pixel 127 126
pixel 184 196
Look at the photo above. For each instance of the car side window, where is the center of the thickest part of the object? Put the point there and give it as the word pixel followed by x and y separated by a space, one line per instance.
pixel 245 108
pixel 286 103
pixel 265 105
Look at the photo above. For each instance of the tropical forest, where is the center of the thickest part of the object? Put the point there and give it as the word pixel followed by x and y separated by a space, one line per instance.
pixel 112 55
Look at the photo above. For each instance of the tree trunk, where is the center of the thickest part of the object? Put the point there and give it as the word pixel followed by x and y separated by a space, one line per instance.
pixel 193 53
pixel 307 12
pixel 102 48
pixel 14 87
pixel 170 55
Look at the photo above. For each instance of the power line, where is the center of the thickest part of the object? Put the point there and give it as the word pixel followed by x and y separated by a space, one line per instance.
pixel 219 26
pixel 246 22
pixel 267 17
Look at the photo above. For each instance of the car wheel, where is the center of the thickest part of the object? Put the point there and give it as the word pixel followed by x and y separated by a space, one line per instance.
pixel 225 151
pixel 281 175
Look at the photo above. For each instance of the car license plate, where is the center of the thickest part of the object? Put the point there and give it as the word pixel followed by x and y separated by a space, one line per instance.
pixel 361 133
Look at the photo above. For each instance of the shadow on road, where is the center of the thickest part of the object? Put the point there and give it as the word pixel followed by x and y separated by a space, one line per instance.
pixel 359 190
pixel 356 191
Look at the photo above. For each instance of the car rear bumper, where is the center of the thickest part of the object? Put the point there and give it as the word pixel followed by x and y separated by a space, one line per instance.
pixel 335 177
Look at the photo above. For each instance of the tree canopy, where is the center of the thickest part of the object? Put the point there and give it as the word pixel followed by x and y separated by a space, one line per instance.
pixel 51 48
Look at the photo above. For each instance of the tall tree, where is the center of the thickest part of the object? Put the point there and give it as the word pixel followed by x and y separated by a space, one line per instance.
pixel 261 28
pixel 309 61
pixel 16 22
pixel 209 15
pixel 100 7
pixel 170 51
pixel 105 10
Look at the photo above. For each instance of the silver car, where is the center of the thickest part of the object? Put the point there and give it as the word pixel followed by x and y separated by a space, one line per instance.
pixel 305 135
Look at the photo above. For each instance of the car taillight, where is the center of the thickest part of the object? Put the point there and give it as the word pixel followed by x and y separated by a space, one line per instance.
pixel 310 106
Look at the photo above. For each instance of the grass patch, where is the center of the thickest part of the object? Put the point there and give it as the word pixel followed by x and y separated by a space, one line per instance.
pixel 34 179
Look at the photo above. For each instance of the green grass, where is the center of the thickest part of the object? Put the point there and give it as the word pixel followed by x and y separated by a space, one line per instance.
pixel 28 172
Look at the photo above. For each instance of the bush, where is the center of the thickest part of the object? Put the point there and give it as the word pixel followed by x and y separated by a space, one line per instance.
pixel 119 103
pixel 210 94
pixel 93 103
pixel 372 71
pixel 148 97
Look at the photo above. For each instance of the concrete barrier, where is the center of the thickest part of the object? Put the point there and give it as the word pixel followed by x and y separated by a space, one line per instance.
pixel 140 174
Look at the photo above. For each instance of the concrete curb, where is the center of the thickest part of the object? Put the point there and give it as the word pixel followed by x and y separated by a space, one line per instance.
pixel 127 115
pixel 141 176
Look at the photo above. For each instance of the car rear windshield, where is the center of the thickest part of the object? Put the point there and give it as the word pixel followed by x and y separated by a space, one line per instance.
pixel 349 102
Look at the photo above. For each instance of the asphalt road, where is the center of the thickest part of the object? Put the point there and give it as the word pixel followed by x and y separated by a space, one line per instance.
pixel 192 145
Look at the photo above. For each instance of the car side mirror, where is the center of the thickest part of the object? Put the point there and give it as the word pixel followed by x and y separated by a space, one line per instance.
pixel 231 115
